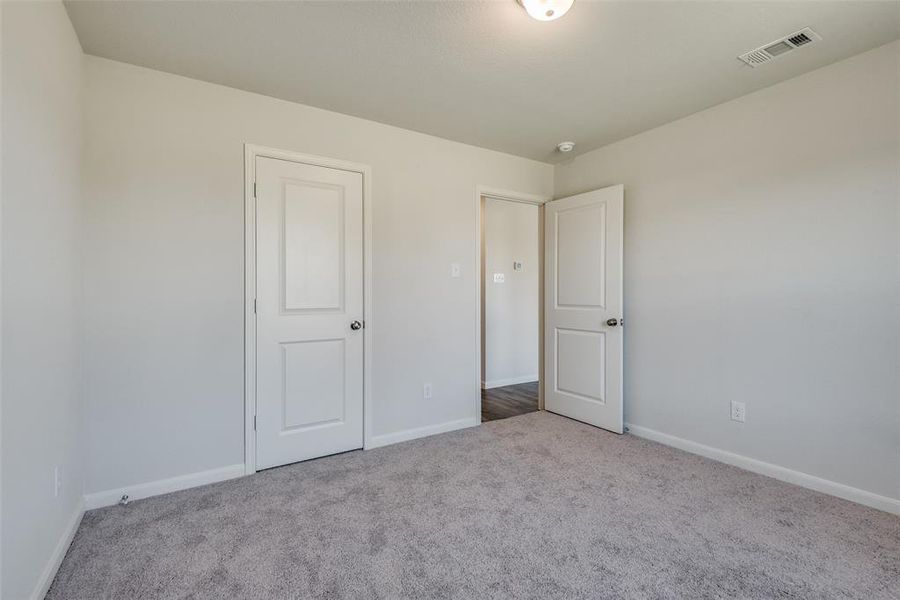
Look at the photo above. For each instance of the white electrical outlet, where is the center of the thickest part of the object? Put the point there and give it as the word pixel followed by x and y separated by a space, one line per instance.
pixel 57 482
pixel 738 412
pixel 499 277
pixel 426 391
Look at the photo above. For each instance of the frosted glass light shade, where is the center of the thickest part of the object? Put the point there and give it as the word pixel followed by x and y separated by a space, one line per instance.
pixel 546 10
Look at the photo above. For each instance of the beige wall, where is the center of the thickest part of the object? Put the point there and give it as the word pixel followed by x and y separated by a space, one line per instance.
pixel 164 287
pixel 41 283
pixel 511 307
pixel 762 264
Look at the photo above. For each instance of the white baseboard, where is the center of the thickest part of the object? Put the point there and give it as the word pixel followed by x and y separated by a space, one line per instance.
pixel 410 434
pixel 487 385
pixel 162 486
pixel 49 573
pixel 812 482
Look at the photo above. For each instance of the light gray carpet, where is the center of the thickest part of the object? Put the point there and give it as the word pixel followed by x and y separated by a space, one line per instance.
pixel 536 506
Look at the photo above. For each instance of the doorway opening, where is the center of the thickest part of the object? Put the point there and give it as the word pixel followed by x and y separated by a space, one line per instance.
pixel 511 302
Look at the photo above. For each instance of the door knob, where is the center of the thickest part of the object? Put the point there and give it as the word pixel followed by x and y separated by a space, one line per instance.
pixel 612 322
pixel 355 325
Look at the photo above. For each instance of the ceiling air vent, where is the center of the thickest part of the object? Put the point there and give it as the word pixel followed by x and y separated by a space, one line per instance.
pixel 799 39
pixel 787 44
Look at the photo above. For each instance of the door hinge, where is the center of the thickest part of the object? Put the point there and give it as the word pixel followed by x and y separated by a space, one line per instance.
pixel 254 422
pixel 254 306
pixel 254 189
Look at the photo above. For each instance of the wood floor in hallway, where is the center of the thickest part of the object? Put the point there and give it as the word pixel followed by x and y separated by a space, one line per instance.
pixel 509 401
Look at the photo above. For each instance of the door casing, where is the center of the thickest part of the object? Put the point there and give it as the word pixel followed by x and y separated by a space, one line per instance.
pixel 251 152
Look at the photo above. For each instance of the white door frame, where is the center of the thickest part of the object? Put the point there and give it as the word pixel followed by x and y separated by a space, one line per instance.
pixel 483 191
pixel 251 152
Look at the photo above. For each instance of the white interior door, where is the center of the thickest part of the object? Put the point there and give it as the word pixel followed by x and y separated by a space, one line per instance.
pixel 583 307
pixel 309 345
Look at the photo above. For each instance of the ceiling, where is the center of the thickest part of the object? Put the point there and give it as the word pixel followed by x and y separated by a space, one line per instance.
pixel 485 73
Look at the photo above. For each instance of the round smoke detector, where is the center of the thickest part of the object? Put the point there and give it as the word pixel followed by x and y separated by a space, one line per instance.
pixel 565 146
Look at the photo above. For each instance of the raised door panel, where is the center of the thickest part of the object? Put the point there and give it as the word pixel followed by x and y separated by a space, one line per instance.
pixel 575 350
pixel 313 246
pixel 313 389
pixel 581 257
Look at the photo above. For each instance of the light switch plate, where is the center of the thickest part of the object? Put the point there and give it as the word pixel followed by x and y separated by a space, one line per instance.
pixel 454 270
pixel 518 266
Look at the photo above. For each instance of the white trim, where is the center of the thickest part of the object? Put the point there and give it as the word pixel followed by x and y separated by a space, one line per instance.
pixel 411 434
pixel 489 385
pixel 251 152
pixel 249 313
pixel 812 482
pixel 162 486
pixel 498 194
pixel 49 573
pixel 482 191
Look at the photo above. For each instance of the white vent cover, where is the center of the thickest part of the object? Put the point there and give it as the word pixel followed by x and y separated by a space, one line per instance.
pixel 787 44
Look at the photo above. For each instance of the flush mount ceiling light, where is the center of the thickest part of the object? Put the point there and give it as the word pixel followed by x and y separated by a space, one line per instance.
pixel 546 10
pixel 565 146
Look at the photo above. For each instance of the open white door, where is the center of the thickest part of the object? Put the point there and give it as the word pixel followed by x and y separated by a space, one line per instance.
pixel 583 307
